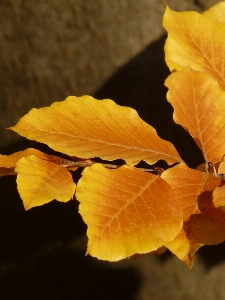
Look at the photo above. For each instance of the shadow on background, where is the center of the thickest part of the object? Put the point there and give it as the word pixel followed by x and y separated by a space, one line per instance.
pixel 42 250
pixel 140 85
pixel 42 254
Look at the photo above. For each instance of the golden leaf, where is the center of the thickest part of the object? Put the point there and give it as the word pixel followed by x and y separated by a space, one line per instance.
pixel 199 106
pixel 87 128
pixel 197 41
pixel 219 196
pixel 216 12
pixel 188 184
pixel 40 181
pixel 207 228
pixel 183 248
pixel 127 211
pixel 8 162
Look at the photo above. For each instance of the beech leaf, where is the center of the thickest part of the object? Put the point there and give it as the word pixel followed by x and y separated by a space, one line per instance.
pixel 8 162
pixel 197 41
pixel 40 181
pixel 183 248
pixel 219 197
pixel 188 184
pixel 87 128
pixel 199 106
pixel 216 12
pixel 127 211
pixel 207 228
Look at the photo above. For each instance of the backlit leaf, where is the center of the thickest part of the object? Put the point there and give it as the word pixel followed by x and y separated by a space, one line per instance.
pixel 197 41
pixel 127 211
pixel 183 248
pixel 199 106
pixel 8 162
pixel 219 196
pixel 188 184
pixel 40 181
pixel 207 228
pixel 219 192
pixel 87 128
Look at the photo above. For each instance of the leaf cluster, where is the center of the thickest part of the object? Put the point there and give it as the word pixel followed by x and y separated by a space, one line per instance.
pixel 129 210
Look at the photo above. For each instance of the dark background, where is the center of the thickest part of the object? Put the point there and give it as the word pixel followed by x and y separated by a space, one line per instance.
pixel 42 251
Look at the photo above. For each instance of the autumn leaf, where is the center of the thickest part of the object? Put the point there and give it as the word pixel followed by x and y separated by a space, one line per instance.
pixel 219 192
pixel 219 197
pixel 207 228
pixel 40 181
pixel 8 162
pixel 127 211
pixel 188 184
pixel 195 40
pixel 183 248
pixel 87 128
pixel 216 12
pixel 199 106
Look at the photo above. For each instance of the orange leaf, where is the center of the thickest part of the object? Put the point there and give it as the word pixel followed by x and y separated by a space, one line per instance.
pixel 188 184
pixel 127 211
pixel 199 106
pixel 40 181
pixel 219 192
pixel 197 41
pixel 86 127
pixel 221 168
pixel 8 162
pixel 207 228
pixel 183 248
pixel 219 196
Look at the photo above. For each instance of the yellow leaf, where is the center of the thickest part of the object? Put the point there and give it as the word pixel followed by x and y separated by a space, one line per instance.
pixel 86 128
pixel 197 41
pixel 199 106
pixel 188 184
pixel 40 181
pixel 127 211
pixel 8 162
pixel 216 12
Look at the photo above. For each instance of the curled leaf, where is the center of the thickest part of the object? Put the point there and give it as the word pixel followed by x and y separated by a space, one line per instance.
pixel 207 228
pixel 188 184
pixel 183 248
pixel 127 211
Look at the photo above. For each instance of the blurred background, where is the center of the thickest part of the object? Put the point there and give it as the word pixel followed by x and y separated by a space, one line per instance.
pixel 107 49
